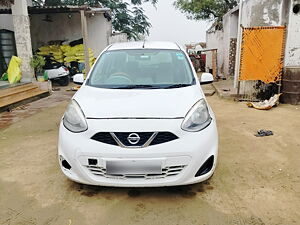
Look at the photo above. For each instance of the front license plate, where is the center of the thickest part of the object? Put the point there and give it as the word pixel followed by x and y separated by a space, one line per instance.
pixel 133 167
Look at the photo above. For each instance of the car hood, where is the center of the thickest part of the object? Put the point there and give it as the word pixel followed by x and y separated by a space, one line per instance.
pixel 137 103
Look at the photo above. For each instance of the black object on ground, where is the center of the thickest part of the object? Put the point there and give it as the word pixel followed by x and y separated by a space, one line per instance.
pixel 225 89
pixel 263 133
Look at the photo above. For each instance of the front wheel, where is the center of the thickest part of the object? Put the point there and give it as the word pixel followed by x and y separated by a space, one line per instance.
pixel 64 81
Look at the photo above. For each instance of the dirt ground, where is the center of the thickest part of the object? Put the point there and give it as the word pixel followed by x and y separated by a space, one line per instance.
pixel 257 180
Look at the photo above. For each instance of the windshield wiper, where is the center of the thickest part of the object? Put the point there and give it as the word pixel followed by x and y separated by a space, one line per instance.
pixel 177 86
pixel 136 87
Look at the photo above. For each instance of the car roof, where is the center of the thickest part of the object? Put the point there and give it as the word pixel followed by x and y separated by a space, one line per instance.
pixel 144 45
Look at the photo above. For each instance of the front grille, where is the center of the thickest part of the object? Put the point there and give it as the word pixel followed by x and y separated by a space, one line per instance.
pixel 166 172
pixel 163 137
pixel 146 138
pixel 104 137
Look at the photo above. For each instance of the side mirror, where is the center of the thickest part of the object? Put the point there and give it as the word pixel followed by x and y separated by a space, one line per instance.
pixel 206 78
pixel 78 78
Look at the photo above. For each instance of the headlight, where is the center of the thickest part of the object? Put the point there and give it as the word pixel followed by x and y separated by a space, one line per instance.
pixel 197 118
pixel 74 119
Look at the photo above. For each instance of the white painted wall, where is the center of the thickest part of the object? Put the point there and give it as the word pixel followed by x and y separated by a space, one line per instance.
pixel 234 26
pixel 226 43
pixel 6 22
pixel 118 37
pixel 69 29
pixel 292 55
pixel 230 25
pixel 262 13
pixel 221 41
pixel 99 31
pixel 215 40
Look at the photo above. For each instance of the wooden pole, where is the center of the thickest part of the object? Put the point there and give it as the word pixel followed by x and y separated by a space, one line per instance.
pixel 238 47
pixel 213 55
pixel 85 41
pixel 217 71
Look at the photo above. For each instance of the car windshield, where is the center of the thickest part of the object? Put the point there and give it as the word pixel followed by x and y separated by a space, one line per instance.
pixel 142 68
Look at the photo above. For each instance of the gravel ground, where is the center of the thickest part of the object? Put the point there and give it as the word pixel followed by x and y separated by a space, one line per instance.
pixel 257 180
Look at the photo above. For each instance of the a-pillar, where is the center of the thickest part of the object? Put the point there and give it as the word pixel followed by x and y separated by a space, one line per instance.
pixel 21 23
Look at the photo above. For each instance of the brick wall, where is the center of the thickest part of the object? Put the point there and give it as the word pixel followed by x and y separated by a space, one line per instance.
pixel 232 53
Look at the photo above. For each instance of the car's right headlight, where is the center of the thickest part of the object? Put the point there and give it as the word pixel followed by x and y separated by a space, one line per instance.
pixel 197 118
pixel 74 119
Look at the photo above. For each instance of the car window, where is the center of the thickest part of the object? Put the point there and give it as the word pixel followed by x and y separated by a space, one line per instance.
pixel 143 68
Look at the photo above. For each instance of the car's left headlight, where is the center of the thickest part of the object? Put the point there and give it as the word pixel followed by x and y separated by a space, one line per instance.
pixel 197 118
pixel 74 119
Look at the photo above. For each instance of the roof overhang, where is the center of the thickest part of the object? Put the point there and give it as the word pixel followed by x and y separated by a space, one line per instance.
pixel 58 9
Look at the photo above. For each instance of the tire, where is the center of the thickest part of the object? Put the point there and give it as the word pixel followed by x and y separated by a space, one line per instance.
pixel 64 81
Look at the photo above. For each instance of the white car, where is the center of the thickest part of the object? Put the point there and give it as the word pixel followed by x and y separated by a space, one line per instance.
pixel 140 119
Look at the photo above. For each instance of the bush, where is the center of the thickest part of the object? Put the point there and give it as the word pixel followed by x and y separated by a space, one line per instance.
pixel 37 62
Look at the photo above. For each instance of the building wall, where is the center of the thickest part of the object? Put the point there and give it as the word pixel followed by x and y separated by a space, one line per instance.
pixel 276 13
pixel 62 28
pixel 99 31
pixel 262 13
pixel 254 13
pixel 230 29
pixel 69 29
pixel 292 54
pixel 226 41
pixel 214 40
pixel 118 37
pixel 6 22
pixel 222 40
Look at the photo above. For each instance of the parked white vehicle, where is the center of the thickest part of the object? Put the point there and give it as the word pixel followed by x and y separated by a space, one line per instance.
pixel 60 74
pixel 140 119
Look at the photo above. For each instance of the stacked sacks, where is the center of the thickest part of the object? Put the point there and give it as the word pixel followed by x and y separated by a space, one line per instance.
pixel 52 50
pixel 65 49
pixel 76 53
pixel 80 56
pixel 44 50
pixel 56 53
pixel 70 52
pixel 66 54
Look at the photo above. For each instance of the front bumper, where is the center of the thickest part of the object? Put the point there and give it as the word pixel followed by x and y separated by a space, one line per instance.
pixel 184 156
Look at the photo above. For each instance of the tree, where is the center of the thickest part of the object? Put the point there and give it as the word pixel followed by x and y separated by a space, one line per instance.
pixel 52 2
pixel 125 19
pixel 6 2
pixel 213 10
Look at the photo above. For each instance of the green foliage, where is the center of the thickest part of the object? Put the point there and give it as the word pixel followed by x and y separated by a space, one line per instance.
pixel 205 9
pixel 37 62
pixel 4 77
pixel 125 19
pixel 6 2
pixel 132 22
pixel 52 2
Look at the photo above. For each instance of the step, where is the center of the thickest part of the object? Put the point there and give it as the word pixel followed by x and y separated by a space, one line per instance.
pixel 12 101
pixel 16 90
